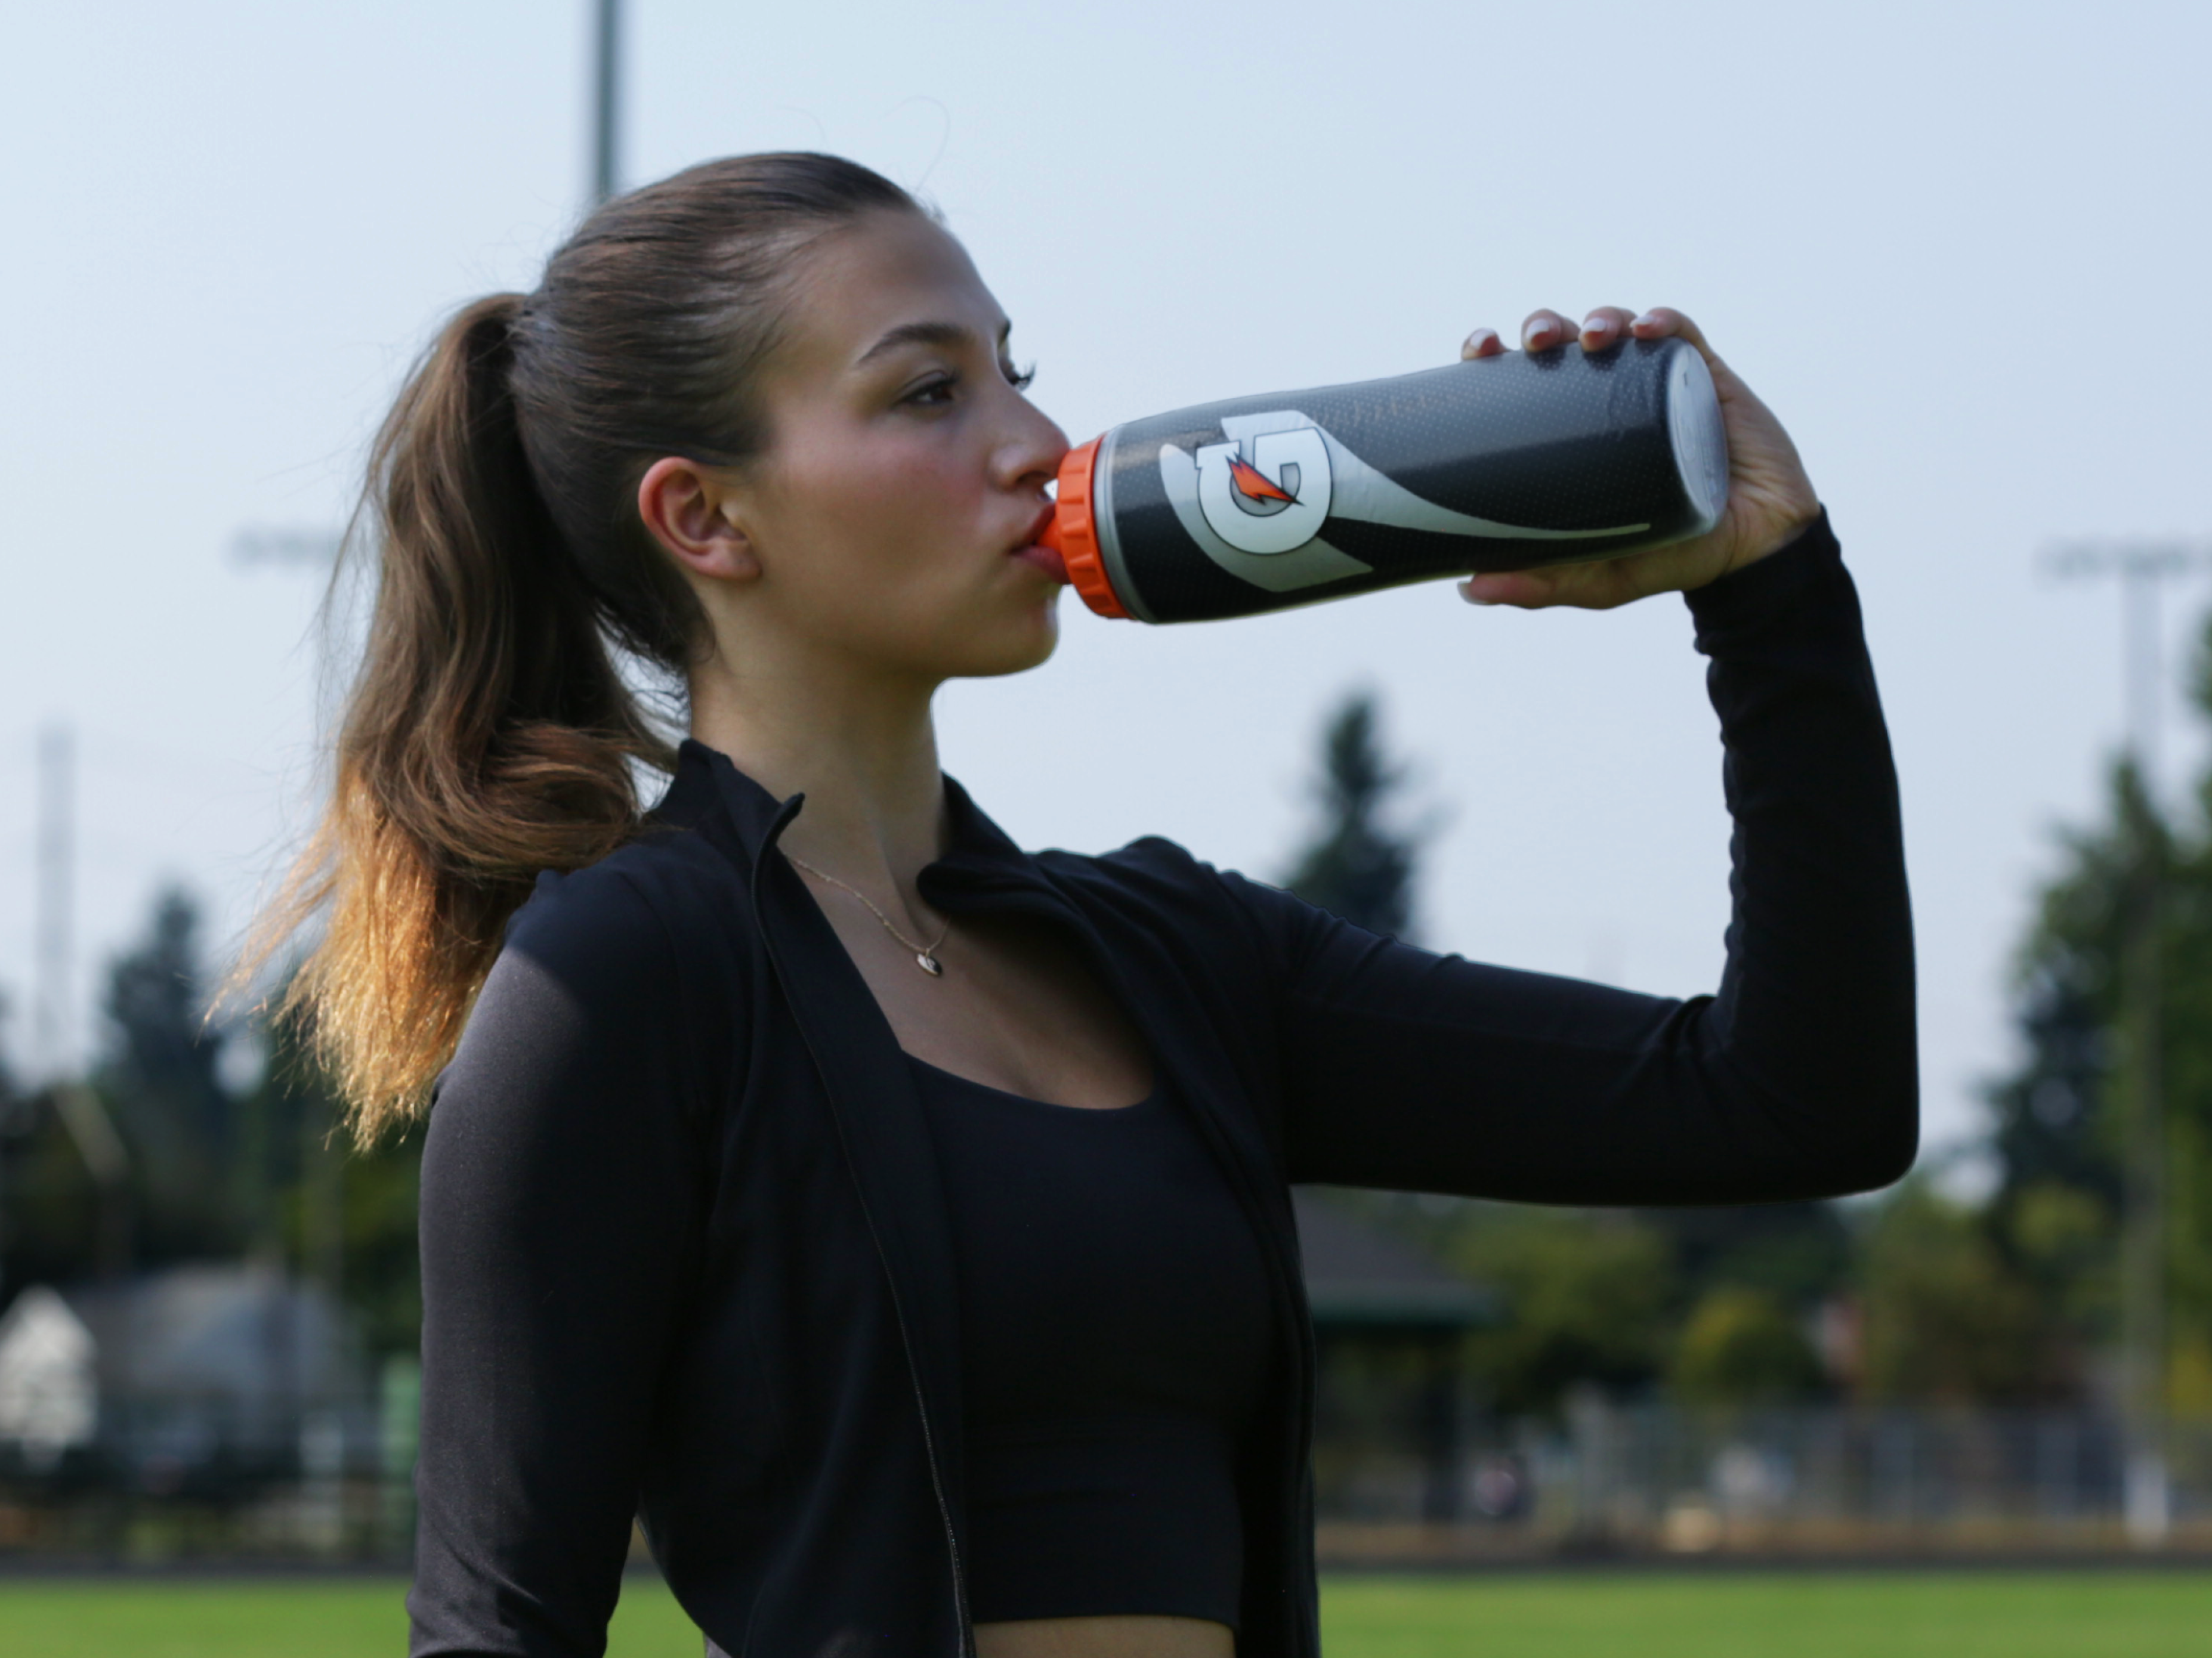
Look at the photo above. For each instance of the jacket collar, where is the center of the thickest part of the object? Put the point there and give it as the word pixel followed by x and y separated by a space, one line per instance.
pixel 710 795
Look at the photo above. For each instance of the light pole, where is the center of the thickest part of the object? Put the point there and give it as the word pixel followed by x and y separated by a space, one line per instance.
pixel 606 100
pixel 2142 566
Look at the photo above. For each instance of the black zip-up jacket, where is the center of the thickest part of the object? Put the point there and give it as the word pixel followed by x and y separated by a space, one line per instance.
pixel 685 1252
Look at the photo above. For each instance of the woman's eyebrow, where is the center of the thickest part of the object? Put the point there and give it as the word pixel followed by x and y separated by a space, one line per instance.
pixel 948 334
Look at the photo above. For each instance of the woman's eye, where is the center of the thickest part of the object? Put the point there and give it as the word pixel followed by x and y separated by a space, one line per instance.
pixel 934 393
pixel 1019 379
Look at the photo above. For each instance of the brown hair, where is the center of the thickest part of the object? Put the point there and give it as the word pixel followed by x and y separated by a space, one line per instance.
pixel 489 734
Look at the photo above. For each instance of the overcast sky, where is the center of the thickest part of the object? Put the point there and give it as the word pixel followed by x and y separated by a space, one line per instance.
pixel 1957 248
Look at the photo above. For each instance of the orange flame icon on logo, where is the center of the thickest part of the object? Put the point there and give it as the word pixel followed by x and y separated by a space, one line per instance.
pixel 1252 484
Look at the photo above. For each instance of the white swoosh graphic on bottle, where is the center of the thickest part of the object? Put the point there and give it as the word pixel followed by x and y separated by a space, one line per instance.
pixel 1374 497
pixel 1359 492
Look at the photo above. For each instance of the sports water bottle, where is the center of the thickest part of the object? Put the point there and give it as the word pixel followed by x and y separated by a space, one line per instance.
pixel 1506 463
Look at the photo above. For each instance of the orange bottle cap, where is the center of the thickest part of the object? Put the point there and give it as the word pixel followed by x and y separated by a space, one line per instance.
pixel 1073 534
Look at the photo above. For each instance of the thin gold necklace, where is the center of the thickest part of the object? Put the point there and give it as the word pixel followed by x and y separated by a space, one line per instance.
pixel 925 956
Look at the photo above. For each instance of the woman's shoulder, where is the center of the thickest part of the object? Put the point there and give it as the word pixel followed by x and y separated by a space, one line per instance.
pixel 668 896
pixel 627 966
pixel 647 933
pixel 1150 865
pixel 1172 885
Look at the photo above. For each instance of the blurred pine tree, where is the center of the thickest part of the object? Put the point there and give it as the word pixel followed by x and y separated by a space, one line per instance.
pixel 160 1076
pixel 1359 862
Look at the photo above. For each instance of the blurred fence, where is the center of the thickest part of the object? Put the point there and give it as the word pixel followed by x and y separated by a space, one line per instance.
pixel 182 1477
pixel 1655 1480
pixel 180 1480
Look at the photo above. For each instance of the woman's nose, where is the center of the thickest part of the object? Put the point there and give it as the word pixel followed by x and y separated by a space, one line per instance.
pixel 1033 449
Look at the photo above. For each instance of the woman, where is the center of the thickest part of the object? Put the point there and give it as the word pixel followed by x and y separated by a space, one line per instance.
pixel 898 1222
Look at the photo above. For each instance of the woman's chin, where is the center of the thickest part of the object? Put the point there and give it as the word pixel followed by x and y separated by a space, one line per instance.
pixel 1011 648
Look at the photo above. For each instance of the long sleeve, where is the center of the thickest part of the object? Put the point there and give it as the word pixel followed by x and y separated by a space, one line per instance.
pixel 1797 1079
pixel 561 1219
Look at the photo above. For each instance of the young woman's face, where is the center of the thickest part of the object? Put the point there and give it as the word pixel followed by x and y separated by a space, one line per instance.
pixel 895 510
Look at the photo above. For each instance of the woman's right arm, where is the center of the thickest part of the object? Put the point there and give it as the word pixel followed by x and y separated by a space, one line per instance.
pixel 1798 1078
pixel 562 1205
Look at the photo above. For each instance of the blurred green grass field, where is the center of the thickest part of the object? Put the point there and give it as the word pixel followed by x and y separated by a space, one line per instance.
pixel 1752 1615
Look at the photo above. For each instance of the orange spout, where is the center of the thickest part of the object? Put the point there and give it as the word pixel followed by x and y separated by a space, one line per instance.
pixel 1074 534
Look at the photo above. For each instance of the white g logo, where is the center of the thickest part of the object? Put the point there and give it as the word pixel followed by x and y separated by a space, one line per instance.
pixel 1273 500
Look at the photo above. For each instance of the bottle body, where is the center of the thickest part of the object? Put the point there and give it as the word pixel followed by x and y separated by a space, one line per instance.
pixel 1507 463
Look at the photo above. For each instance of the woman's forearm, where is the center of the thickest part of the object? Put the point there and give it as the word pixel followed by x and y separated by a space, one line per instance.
pixel 1797 1079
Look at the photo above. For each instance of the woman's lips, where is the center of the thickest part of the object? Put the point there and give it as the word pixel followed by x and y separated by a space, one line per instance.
pixel 1045 559
pixel 1034 551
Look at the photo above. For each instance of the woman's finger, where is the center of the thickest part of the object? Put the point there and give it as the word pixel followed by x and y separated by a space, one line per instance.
pixel 1521 588
pixel 1483 343
pixel 1543 329
pixel 1662 321
pixel 1599 585
pixel 1607 325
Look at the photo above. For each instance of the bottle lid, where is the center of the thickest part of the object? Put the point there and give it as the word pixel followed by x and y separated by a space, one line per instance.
pixel 1073 534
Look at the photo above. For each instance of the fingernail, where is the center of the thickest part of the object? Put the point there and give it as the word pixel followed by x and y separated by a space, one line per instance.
pixel 1598 327
pixel 1466 591
pixel 1649 319
pixel 1536 334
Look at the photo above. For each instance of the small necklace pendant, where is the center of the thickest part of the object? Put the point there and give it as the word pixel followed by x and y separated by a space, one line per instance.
pixel 929 964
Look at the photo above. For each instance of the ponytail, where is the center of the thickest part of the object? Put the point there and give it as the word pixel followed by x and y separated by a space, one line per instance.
pixel 487 737
pixel 490 735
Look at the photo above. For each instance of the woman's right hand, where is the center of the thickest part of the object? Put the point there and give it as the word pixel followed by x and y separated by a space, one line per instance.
pixel 1769 499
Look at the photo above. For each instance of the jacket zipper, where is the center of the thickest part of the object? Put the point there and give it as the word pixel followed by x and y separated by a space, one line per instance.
pixel 898 1311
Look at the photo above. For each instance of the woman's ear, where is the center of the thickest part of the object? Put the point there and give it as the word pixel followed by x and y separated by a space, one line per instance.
pixel 694 512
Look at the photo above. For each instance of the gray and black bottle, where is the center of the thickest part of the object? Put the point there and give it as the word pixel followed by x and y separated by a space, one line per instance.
pixel 1507 463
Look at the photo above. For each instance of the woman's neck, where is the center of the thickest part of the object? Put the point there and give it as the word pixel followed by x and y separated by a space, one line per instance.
pixel 863 752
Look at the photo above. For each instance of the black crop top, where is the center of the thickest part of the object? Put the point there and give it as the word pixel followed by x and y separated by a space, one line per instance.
pixel 1115 1351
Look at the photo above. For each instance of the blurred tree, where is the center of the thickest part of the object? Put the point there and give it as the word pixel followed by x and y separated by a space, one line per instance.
pixel 48 1206
pixel 1567 1324
pixel 18 1117
pixel 258 1170
pixel 160 1078
pixel 346 1218
pixel 163 1054
pixel 2049 1127
pixel 1797 1254
pixel 1587 1293
pixel 1357 864
pixel 11 1088
pixel 1947 1318
pixel 1740 1347
pixel 2059 1117
pixel 2057 1135
pixel 306 1201
pixel 383 1278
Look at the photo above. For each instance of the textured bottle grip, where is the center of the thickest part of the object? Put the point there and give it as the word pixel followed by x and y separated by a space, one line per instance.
pixel 1512 462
